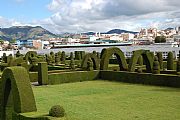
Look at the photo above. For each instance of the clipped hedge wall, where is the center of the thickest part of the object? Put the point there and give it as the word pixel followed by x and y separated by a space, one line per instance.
pixel 141 78
pixel 68 77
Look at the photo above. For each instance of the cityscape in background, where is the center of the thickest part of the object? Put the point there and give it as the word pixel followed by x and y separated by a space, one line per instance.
pixel 146 36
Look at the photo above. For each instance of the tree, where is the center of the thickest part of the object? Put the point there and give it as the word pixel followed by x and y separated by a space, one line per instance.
pixel 12 41
pixel 160 39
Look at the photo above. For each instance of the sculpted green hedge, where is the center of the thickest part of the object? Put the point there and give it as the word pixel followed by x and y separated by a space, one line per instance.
pixel 147 57
pixel 94 59
pixel 107 53
pixel 15 82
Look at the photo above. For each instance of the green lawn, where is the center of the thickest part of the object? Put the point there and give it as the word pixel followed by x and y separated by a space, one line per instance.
pixel 104 100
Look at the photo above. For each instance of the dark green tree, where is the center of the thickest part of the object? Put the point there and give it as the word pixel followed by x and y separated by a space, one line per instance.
pixel 160 39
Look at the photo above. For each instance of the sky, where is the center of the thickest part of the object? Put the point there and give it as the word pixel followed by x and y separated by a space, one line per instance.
pixel 74 16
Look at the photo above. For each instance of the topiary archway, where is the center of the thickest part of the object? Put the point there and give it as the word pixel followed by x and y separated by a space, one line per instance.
pixel 94 58
pixel 16 88
pixel 107 53
pixel 148 58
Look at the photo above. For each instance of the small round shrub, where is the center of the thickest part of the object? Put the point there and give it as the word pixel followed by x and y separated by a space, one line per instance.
pixel 57 111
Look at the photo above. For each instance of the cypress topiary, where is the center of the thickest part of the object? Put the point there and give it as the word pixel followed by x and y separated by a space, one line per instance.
pixel 102 52
pixel 52 56
pixel 156 66
pixel 63 57
pixel 170 64
pixel 160 59
pixel 90 65
pixel 71 56
pixel 98 55
pixel 57 59
pixel 4 58
pixel 72 64
pixel 57 111
pixel 18 54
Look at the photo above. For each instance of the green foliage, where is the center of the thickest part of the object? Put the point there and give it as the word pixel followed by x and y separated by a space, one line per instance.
pixel 178 64
pixel 148 58
pixel 75 76
pixel 57 111
pixel 52 57
pixel 95 61
pixel 18 54
pixel 30 57
pixel 156 66
pixel 72 64
pixel 57 59
pixel 90 64
pixel 170 63
pixel 98 55
pixel 160 59
pixel 79 55
pixel 107 53
pixel 160 39
pixel 15 80
pixel 63 57
pixel 140 60
pixel 4 58
pixel 42 73
pixel 71 56
pixel 143 78
pixel 102 52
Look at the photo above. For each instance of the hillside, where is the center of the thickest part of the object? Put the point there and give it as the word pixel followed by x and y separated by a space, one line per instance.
pixel 24 33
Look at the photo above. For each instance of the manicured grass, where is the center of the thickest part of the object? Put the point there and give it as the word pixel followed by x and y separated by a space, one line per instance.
pixel 104 100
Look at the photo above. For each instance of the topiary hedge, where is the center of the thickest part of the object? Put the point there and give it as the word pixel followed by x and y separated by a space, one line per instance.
pixel 170 62
pixel 69 77
pixel 107 53
pixel 160 59
pixel 141 78
pixel 94 59
pixel 15 80
pixel 148 58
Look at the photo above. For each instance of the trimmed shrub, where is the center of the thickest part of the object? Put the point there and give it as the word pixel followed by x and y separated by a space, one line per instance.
pixel 148 59
pixel 29 55
pixel 102 52
pixel 57 111
pixel 63 57
pixel 42 73
pixel 4 58
pixel 71 56
pixel 90 65
pixel 106 55
pixel 98 55
pixel 94 59
pixel 170 64
pixel 140 60
pixel 57 59
pixel 160 59
pixel 70 77
pixel 72 64
pixel 52 56
pixel 18 54
pixel 156 66
pixel 15 80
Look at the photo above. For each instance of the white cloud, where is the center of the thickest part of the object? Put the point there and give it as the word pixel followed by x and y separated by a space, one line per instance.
pixel 103 15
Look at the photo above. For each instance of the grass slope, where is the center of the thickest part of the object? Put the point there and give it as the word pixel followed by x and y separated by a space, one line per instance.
pixel 104 100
